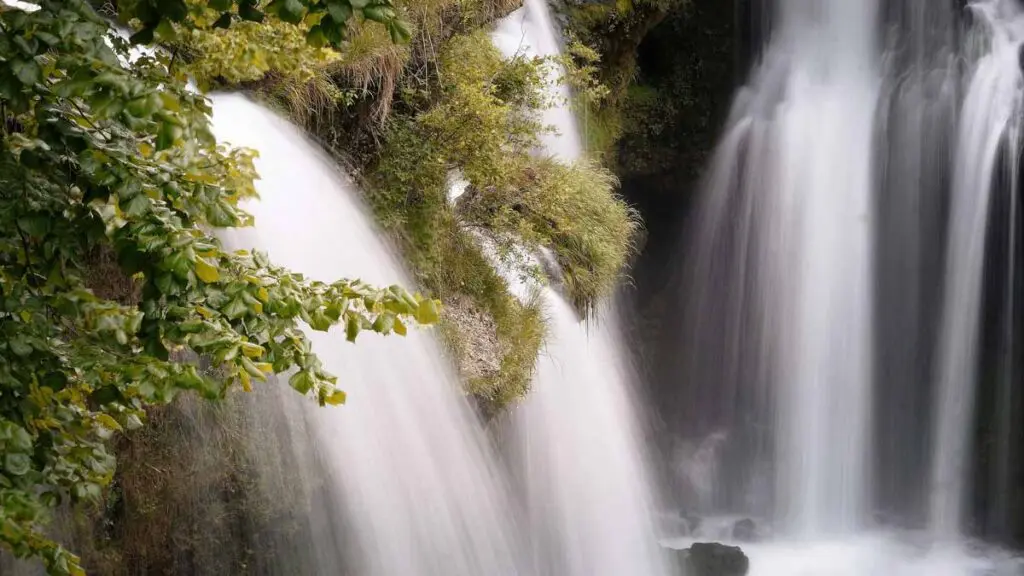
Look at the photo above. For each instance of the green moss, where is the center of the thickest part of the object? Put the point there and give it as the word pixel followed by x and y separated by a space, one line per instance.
pixel 482 119
pixel 471 111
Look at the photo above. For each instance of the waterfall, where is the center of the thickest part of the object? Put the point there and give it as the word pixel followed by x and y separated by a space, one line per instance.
pixel 418 489
pixel 579 447
pixel 530 31
pixel 587 498
pixel 783 263
pixel 822 188
pixel 990 119
pixel 849 293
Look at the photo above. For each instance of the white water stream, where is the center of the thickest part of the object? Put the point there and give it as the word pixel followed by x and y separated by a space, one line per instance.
pixel 782 276
pixel 579 450
pixel 406 457
pixel 991 116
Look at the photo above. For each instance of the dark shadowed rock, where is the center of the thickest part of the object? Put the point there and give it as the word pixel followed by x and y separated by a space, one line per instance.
pixel 712 559
pixel 744 530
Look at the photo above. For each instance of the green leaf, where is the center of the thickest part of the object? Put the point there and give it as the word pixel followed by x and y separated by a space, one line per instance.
pixel 336 398
pixel 315 37
pixel 340 10
pixel 165 31
pixel 220 4
pixel 379 13
pixel 301 381
pixel 427 312
pixel 46 37
pixel 291 11
pixel 399 30
pixel 252 350
pixel 400 328
pixel 351 327
pixel 253 369
pixel 28 46
pixel 235 309
pixel 167 135
pixel 359 4
pixel 384 324
pixel 138 205
pixel 20 347
pixel 27 71
pixel 206 271
pixel 107 421
pixel 36 225
pixel 17 464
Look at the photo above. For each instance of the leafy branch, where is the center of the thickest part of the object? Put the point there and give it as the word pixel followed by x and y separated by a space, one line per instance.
pixel 104 153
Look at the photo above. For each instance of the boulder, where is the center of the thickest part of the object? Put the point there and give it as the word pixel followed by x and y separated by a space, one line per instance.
pixel 744 530
pixel 712 559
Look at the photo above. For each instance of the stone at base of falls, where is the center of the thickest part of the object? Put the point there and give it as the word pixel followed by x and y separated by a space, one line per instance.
pixel 744 530
pixel 712 559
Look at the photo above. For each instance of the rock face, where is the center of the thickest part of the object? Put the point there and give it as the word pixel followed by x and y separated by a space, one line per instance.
pixel 711 559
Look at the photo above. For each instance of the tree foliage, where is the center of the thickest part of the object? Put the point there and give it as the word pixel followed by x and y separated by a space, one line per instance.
pixel 108 153
pixel 328 20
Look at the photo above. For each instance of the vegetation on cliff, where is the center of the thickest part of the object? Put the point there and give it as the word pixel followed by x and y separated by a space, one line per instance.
pixel 409 118
pixel 113 181
pixel 108 157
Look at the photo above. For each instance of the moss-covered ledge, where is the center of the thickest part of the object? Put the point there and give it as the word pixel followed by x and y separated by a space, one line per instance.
pixel 403 119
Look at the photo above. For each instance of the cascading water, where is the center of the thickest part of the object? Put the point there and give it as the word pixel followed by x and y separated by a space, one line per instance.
pixel 587 495
pixel 822 183
pixel 991 118
pixel 579 447
pixel 840 262
pixel 530 31
pixel 417 487
pixel 783 262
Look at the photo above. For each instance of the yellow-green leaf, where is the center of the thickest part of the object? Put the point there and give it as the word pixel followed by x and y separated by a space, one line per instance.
pixel 252 350
pixel 206 271
pixel 428 312
pixel 400 327
pixel 252 369
pixel 246 380
pixel 108 422
pixel 336 398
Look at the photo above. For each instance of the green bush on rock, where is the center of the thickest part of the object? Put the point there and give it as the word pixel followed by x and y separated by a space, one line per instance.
pixel 102 156
pixel 482 119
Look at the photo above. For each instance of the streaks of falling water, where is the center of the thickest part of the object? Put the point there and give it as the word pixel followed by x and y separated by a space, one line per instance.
pixel 530 31
pixel 990 119
pixel 803 205
pixel 587 495
pixel 818 270
pixel 407 460
pixel 915 140
pixel 579 443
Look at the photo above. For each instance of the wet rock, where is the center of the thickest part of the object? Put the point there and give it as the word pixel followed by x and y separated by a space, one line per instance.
pixel 690 524
pixel 712 559
pixel 744 530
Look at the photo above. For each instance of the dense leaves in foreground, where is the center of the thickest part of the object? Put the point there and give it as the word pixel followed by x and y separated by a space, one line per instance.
pixel 107 156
